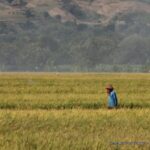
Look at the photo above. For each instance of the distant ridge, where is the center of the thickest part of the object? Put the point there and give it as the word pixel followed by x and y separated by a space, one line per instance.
pixel 90 12
pixel 75 35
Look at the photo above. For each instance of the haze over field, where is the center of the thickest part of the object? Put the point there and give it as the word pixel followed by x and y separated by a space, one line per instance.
pixel 75 35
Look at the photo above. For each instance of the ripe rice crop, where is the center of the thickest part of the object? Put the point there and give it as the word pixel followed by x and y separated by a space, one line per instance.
pixel 63 111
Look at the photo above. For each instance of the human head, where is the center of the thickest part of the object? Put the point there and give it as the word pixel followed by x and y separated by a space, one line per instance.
pixel 109 88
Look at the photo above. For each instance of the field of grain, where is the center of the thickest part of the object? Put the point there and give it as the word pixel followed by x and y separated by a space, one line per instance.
pixel 43 111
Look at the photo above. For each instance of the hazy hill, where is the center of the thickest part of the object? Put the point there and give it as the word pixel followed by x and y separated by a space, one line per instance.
pixel 74 34
pixel 91 12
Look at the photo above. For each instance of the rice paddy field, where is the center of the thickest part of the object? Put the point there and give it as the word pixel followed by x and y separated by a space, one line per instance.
pixel 68 111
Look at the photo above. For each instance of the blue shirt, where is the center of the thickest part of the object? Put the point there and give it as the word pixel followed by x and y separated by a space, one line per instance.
pixel 112 99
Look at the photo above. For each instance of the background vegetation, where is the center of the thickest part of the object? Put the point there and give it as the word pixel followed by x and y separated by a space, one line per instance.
pixel 39 42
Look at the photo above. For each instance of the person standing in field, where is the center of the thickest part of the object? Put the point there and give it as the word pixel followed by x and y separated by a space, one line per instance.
pixel 112 97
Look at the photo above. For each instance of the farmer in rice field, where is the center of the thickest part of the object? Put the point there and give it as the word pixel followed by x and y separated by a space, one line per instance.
pixel 112 97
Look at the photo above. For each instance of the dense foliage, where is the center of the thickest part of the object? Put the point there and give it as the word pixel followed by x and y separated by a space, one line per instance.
pixel 43 43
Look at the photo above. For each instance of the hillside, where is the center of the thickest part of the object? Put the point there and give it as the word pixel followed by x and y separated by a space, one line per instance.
pixel 94 12
pixel 75 35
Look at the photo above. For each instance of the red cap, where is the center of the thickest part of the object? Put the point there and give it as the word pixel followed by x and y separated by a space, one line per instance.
pixel 109 86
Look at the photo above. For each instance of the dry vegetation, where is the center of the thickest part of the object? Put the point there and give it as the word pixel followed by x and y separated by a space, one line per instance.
pixel 68 111
pixel 108 9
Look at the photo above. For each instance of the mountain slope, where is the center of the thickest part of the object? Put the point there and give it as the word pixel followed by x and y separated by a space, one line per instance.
pixel 75 35
pixel 92 12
